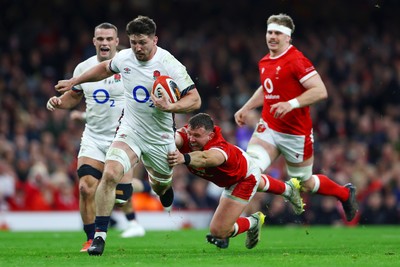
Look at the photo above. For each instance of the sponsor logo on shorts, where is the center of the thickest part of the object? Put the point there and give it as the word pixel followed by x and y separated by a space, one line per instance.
pixel 261 128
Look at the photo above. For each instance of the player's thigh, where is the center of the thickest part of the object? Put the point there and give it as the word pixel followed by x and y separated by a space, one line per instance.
pixel 295 148
pixel 227 212
pixel 235 198
pixel 263 137
pixel 93 149
pixel 155 160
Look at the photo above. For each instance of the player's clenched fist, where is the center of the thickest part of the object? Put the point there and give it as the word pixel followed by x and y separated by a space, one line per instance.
pixel 240 117
pixel 53 103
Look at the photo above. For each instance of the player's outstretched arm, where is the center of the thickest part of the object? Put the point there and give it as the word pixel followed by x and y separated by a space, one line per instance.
pixel 97 73
pixel 197 159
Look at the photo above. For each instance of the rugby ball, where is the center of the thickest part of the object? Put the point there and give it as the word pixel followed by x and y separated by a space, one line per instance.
pixel 169 86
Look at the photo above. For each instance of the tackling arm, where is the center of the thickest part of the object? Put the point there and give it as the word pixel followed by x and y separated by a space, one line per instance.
pixel 198 159
pixel 206 158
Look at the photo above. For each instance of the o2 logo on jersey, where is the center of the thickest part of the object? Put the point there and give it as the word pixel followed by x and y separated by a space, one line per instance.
pixel 141 95
pixel 101 96
pixel 269 87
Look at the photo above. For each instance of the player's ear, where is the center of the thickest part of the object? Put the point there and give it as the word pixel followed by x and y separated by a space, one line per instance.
pixel 211 135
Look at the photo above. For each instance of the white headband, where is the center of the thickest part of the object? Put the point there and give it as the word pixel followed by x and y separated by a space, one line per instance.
pixel 279 28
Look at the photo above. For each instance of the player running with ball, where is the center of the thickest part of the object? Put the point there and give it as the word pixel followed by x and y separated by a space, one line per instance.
pixel 146 131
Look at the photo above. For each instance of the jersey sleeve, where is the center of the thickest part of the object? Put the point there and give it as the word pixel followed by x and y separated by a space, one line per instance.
pixel 114 63
pixel 177 71
pixel 303 69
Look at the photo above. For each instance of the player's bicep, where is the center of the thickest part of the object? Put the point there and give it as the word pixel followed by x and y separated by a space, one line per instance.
pixel 215 157
pixel 313 81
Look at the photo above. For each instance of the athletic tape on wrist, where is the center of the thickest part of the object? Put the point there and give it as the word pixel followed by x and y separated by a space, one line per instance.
pixel 294 103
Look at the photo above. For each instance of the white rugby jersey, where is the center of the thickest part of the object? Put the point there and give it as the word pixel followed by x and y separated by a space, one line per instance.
pixel 104 102
pixel 140 114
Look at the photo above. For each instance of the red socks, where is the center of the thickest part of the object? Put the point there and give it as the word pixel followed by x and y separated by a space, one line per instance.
pixel 243 225
pixel 328 187
pixel 276 186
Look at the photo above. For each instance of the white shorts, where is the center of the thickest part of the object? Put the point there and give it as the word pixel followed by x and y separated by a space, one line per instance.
pixel 245 190
pixel 93 148
pixel 295 148
pixel 152 155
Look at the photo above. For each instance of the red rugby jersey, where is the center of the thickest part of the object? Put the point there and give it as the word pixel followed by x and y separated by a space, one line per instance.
pixel 233 170
pixel 281 78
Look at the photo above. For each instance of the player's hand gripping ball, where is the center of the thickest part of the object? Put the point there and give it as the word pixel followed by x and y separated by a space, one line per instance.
pixel 168 86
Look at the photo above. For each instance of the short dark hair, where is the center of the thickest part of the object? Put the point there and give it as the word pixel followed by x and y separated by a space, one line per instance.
pixel 201 120
pixel 141 25
pixel 106 25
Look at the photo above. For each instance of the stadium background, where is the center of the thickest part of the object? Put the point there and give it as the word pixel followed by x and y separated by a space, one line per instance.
pixel 354 45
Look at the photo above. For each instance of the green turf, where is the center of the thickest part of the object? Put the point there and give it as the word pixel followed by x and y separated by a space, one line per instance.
pixel 280 246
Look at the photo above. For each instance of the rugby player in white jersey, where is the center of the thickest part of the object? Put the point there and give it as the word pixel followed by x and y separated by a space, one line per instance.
pixel 146 131
pixel 104 106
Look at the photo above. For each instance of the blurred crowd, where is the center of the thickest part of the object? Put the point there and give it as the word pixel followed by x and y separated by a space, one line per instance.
pixel 356 51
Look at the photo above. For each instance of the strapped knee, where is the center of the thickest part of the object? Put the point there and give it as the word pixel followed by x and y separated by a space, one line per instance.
pixel 301 173
pixel 119 155
pixel 86 169
pixel 259 155
pixel 123 192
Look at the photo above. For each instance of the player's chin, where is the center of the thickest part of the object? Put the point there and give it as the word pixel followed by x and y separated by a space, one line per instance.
pixel 195 147
pixel 104 56
pixel 140 57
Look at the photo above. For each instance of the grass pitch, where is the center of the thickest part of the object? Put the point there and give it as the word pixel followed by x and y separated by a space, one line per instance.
pixel 279 246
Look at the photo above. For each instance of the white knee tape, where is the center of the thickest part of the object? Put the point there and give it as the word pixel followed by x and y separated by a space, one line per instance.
pixel 162 181
pixel 266 186
pixel 301 173
pixel 316 185
pixel 119 155
pixel 260 156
